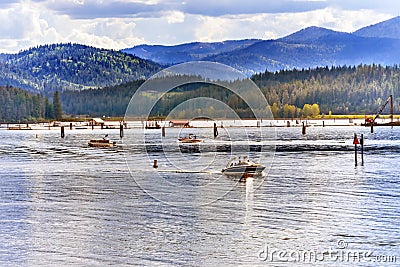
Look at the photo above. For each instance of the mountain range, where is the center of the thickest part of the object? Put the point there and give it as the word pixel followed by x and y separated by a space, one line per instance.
pixel 76 67
pixel 308 48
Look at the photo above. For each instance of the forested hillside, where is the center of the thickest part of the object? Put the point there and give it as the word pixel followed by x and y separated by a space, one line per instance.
pixel 109 101
pixel 296 93
pixel 71 66
pixel 336 90
pixel 339 90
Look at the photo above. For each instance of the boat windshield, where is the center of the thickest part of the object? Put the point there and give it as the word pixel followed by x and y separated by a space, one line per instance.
pixel 237 161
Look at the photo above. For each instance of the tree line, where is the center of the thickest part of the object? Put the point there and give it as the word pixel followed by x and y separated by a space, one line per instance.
pixel 345 90
pixel 296 93
pixel 18 105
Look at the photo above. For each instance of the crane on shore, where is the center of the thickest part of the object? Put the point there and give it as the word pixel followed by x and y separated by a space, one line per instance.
pixel 371 121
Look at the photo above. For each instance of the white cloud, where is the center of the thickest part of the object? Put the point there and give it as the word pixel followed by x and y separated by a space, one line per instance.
pixel 211 29
pixel 126 23
pixel 331 18
pixel 175 17
pixel 107 33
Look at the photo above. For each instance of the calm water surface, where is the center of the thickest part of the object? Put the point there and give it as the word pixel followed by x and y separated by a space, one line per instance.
pixel 63 203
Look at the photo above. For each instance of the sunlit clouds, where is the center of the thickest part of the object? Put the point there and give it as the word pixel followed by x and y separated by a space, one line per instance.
pixel 123 23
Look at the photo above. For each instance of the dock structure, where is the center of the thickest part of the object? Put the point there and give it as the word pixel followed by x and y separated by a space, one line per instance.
pixel 180 123
pixel 152 124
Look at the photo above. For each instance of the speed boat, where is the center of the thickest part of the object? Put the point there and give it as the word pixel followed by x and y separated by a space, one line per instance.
pixel 101 142
pixel 190 139
pixel 242 166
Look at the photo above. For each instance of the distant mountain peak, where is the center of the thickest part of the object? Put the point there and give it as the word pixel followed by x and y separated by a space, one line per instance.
pixel 309 34
pixel 71 66
pixel 188 51
pixel 385 29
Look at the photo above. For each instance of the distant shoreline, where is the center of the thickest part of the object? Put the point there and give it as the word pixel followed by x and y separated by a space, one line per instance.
pixel 354 120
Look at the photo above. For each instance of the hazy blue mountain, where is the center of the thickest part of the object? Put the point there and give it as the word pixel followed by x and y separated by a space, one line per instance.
pixel 71 66
pixel 385 29
pixel 310 35
pixel 307 48
pixel 187 52
pixel 298 51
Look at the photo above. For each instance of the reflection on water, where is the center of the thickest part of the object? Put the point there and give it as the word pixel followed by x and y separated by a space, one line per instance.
pixel 63 203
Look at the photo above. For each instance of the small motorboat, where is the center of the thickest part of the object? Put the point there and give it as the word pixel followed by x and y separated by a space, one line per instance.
pixel 101 142
pixel 190 139
pixel 242 166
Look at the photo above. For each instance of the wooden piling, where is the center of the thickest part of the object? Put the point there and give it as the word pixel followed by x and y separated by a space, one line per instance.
pixel 62 132
pixel 70 125
pixel 355 143
pixel 303 129
pixel 121 130
pixel 215 130
pixel 372 128
pixel 163 131
pixel 155 166
pixel 362 149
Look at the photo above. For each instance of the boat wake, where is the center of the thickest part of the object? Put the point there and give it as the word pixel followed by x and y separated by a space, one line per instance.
pixel 188 171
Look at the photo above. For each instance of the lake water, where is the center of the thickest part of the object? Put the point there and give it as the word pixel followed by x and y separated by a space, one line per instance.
pixel 64 203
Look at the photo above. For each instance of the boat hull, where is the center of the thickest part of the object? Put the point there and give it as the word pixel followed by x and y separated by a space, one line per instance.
pixel 243 170
pixel 101 143
pixel 189 141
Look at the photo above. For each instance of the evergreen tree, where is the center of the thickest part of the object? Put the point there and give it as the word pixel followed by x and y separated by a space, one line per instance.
pixel 49 114
pixel 57 106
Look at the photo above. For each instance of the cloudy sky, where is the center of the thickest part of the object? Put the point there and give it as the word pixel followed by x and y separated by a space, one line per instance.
pixel 118 24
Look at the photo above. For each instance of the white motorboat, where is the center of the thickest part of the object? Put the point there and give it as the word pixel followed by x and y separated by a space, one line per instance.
pixel 242 166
